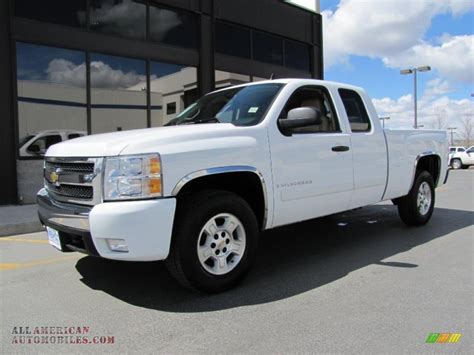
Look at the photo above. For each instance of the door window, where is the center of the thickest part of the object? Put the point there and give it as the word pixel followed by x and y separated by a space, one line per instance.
pixel 316 97
pixel 355 109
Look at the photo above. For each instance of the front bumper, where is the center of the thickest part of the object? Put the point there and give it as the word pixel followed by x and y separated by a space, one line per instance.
pixel 145 227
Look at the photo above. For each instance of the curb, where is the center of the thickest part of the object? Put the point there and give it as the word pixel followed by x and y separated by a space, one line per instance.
pixel 14 229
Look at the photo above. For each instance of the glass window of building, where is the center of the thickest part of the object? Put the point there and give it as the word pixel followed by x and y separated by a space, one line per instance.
pixel 170 84
pixel 297 55
pixel 171 108
pixel 267 48
pixel 69 13
pixel 118 93
pixel 175 28
pixel 125 18
pixel 51 84
pixel 232 40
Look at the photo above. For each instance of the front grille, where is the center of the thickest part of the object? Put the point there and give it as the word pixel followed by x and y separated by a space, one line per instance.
pixel 72 191
pixel 83 168
pixel 75 180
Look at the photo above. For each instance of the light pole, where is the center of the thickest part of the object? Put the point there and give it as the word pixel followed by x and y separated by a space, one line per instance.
pixel 383 120
pixel 451 129
pixel 414 71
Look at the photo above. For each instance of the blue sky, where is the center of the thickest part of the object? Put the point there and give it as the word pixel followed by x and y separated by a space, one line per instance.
pixel 367 42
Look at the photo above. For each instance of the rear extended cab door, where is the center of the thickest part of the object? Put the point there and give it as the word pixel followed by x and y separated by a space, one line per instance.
pixel 311 168
pixel 369 147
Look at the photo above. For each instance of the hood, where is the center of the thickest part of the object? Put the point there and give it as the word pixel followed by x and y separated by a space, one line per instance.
pixel 110 144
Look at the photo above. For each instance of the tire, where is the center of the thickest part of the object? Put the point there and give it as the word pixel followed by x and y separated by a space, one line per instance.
pixel 215 236
pixel 416 208
pixel 456 164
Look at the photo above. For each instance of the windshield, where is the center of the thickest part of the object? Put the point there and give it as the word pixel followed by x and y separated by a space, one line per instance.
pixel 241 106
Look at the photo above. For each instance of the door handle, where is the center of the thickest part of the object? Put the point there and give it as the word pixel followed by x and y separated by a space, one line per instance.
pixel 340 148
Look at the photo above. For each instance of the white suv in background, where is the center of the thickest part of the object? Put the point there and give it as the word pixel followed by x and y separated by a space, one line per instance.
pixel 36 145
pixel 460 157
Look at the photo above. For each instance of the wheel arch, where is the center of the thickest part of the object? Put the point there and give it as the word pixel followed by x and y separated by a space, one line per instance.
pixel 430 162
pixel 245 181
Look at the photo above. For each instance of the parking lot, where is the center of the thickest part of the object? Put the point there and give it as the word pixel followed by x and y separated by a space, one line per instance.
pixel 355 282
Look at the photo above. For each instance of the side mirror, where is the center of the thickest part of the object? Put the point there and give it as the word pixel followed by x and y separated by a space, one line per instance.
pixel 300 117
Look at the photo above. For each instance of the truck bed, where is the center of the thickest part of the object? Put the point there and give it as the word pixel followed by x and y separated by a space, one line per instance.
pixel 404 147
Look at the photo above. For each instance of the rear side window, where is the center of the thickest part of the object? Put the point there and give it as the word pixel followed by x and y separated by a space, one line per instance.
pixel 461 150
pixel 355 109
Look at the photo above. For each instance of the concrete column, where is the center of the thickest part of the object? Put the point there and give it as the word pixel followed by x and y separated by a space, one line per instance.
pixel 206 49
pixel 8 187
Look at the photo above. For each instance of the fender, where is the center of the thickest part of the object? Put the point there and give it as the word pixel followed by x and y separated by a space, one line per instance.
pixel 222 170
pixel 417 159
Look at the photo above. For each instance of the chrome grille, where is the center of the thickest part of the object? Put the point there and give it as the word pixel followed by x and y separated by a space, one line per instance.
pixel 83 168
pixel 72 191
pixel 74 180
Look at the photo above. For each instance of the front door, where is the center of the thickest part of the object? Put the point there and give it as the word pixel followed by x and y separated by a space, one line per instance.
pixel 312 168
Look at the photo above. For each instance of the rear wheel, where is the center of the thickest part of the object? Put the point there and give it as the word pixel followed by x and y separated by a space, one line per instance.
pixel 416 208
pixel 214 241
pixel 456 164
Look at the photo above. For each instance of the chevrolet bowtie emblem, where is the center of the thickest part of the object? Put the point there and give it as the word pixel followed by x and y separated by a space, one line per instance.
pixel 53 177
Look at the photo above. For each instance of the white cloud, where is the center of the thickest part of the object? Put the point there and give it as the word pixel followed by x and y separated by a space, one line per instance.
pixel 102 75
pixel 429 108
pixel 393 31
pixel 66 72
pixel 453 59
pixel 162 21
pixel 437 87
pixel 125 18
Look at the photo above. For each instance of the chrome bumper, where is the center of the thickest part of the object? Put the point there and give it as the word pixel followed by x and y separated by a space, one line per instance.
pixel 64 216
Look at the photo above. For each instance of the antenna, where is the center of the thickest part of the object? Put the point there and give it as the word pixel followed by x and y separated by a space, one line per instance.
pixel 271 76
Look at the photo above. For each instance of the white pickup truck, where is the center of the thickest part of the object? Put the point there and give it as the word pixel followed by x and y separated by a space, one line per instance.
pixel 240 160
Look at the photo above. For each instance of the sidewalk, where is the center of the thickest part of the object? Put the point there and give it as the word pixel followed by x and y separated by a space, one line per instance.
pixel 16 219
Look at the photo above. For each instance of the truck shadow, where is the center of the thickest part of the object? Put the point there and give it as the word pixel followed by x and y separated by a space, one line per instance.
pixel 291 260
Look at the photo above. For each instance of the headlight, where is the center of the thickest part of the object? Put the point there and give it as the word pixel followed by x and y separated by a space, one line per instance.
pixel 132 177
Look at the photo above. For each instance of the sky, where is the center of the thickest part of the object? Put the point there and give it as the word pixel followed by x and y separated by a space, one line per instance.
pixel 368 42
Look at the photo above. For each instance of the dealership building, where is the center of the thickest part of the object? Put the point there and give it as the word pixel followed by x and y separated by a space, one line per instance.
pixel 75 67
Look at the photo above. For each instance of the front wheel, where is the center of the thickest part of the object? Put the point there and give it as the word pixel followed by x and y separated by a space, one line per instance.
pixel 456 164
pixel 214 241
pixel 416 208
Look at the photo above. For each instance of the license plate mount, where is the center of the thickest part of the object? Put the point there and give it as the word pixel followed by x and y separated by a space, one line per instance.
pixel 53 238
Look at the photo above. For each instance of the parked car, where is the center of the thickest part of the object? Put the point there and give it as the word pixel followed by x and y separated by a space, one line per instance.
pixel 240 160
pixel 36 145
pixel 460 157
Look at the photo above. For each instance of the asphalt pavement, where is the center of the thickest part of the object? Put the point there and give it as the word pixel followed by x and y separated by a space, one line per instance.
pixel 358 282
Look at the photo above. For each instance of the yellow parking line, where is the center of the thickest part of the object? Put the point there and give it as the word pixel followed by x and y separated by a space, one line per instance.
pixel 13 266
pixel 22 240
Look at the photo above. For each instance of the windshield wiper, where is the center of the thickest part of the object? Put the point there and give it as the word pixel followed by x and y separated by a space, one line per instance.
pixel 207 120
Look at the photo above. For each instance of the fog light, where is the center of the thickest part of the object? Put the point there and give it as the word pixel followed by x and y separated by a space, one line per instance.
pixel 117 245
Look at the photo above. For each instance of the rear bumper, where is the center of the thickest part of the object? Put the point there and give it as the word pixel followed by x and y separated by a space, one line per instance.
pixel 144 227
